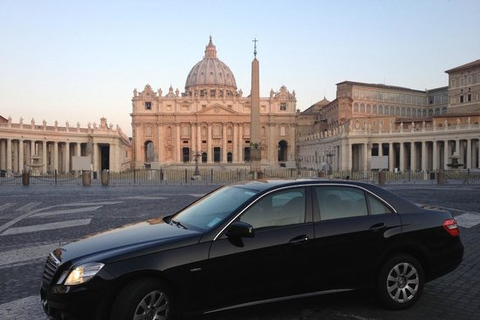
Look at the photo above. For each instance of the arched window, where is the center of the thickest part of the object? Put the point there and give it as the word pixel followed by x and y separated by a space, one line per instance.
pixel 356 107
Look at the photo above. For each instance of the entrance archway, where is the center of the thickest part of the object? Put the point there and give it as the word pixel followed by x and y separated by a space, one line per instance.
pixel 282 150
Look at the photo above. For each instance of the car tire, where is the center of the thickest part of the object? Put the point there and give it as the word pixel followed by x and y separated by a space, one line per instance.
pixel 400 282
pixel 143 299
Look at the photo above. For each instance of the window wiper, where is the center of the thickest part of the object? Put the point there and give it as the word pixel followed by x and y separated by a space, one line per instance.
pixel 178 224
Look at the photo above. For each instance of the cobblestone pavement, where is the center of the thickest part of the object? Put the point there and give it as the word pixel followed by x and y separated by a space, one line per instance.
pixel 34 220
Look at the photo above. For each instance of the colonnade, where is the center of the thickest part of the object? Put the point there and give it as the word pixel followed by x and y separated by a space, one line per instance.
pixel 426 155
pixel 43 157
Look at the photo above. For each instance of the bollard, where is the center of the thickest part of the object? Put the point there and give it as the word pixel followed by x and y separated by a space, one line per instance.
pixel 25 178
pixel 321 174
pixel 440 177
pixel 382 177
pixel 105 177
pixel 86 178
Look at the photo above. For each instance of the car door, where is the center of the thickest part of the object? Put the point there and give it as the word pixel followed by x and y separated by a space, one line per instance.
pixel 352 229
pixel 270 264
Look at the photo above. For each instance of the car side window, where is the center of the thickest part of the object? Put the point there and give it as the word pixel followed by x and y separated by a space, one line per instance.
pixel 277 209
pixel 376 206
pixel 335 202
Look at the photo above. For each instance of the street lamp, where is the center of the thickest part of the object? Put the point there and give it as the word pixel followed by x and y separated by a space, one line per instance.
pixel 196 155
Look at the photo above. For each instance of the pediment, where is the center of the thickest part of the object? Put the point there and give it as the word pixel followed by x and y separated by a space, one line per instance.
pixel 217 110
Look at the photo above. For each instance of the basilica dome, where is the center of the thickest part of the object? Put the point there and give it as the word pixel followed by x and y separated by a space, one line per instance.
pixel 210 73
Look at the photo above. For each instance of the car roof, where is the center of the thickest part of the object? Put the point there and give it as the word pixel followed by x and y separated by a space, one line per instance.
pixel 265 184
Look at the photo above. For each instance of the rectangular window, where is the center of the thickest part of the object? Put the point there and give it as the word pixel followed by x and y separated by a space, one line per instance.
pixel 148 105
pixel 283 106
pixel 461 99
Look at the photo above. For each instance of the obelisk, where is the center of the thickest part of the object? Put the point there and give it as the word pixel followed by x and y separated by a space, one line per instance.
pixel 255 142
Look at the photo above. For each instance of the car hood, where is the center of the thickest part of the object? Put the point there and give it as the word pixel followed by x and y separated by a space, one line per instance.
pixel 117 243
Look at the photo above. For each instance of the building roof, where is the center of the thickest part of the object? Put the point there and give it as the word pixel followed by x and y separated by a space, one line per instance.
pixel 210 71
pixel 469 65
pixel 380 86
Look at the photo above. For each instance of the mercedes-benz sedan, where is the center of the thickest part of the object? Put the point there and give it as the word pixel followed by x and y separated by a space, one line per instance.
pixel 254 242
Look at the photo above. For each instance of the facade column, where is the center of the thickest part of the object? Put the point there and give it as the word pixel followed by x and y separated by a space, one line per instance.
pixel 469 154
pixel 9 155
pixel 366 156
pixel 95 156
pixel 240 142
pixel 44 156
pixel 224 143
pixel 235 143
pixel 177 145
pixel 199 138
pixel 401 163
pixel 446 154
pixel 113 156
pixel 424 156
pixel 435 156
pixel 78 149
pixel 478 153
pixel 161 146
pixel 413 157
pixel 391 157
pixel 33 150
pixel 380 149
pixel 3 153
pixel 209 143
pixel 67 157
pixel 20 156
pixel 55 156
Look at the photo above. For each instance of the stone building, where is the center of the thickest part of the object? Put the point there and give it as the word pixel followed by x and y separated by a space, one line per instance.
pixel 43 149
pixel 211 120
pixel 400 128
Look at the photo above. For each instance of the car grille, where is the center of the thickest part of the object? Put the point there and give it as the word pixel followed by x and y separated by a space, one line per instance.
pixel 51 266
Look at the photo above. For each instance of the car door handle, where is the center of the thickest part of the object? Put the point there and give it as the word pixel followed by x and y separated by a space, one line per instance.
pixel 378 227
pixel 299 239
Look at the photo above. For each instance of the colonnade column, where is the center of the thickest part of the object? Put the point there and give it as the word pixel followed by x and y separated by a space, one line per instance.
pixel 446 154
pixel 401 164
pixel 434 156
pixel 413 157
pixel 67 157
pixel 44 156
pixel 55 156
pixel 95 156
pixel 3 154
pixel 9 155
pixel 391 157
pixel 20 155
pixel 424 155
pixel 469 154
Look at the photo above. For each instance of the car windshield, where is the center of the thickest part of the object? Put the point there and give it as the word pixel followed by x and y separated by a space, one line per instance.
pixel 213 208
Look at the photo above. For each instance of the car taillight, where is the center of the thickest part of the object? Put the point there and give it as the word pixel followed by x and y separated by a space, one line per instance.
pixel 452 227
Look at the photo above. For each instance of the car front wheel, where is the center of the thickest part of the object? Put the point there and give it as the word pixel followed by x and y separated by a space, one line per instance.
pixel 145 299
pixel 400 282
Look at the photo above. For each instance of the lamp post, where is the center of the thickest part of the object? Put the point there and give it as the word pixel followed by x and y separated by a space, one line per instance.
pixel 196 155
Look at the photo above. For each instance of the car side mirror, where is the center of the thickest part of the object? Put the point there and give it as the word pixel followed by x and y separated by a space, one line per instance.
pixel 240 229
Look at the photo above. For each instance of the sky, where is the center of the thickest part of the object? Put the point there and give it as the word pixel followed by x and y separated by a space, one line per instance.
pixel 78 61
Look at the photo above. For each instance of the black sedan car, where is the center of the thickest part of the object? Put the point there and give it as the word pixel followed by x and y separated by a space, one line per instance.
pixel 254 242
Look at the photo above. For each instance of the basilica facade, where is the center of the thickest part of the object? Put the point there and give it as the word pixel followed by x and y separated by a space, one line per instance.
pixel 210 121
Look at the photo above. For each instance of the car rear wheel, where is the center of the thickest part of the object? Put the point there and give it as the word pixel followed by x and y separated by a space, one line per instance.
pixel 145 299
pixel 400 282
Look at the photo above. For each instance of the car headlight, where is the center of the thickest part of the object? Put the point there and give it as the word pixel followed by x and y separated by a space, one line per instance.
pixel 83 273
